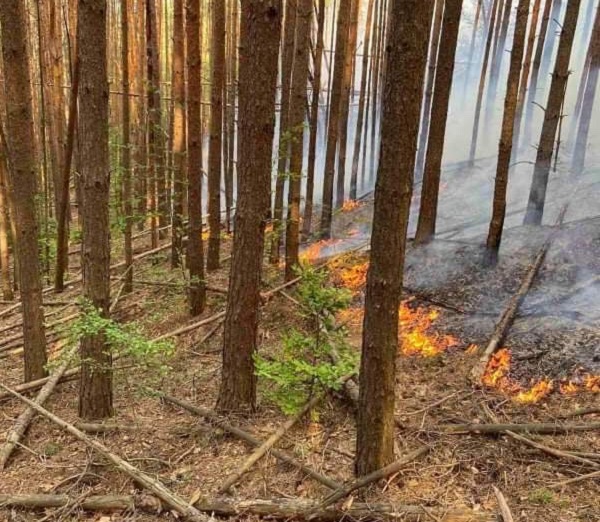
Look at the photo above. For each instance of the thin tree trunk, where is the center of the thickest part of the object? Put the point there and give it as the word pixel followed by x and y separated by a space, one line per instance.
pixel 587 106
pixel 439 116
pixel 426 112
pixel 304 10
pixel 509 125
pixel 7 290
pixel 482 78
pixel 406 48
pixel 231 113
pixel 178 128
pixel 260 35
pixel 95 394
pixel 498 58
pixel 552 116
pixel 216 134
pixel 22 182
pixel 333 126
pixel 314 122
pixel 195 253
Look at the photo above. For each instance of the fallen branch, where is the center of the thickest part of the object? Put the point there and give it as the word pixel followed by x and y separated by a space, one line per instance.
pixel 580 478
pixel 69 375
pixel 151 484
pixel 262 450
pixel 190 327
pixel 247 437
pixel 90 427
pixel 286 508
pixel 581 413
pixel 24 420
pixel 504 509
pixel 543 428
pixel 362 482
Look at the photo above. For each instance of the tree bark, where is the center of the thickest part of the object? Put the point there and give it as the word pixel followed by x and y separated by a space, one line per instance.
pixel 552 116
pixel 20 140
pixel 126 148
pixel 498 57
pixel 195 253
pixel 216 134
pixel 439 116
pixel 298 101
pixel 7 290
pixel 406 50
pixel 509 125
pixel 334 116
pixel 95 393
pixel 260 35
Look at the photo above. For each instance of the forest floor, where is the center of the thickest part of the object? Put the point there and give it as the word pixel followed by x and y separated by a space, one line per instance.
pixel 450 299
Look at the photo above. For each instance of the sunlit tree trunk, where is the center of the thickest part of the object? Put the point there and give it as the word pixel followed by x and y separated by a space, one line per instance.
pixel 178 129
pixel 552 115
pixel 314 122
pixel 231 112
pixel 95 394
pixel 216 134
pixel 297 112
pixel 195 253
pixel 22 182
pixel 406 49
pixel 260 35
pixel 334 116
pixel 439 116
pixel 7 290
pixel 509 124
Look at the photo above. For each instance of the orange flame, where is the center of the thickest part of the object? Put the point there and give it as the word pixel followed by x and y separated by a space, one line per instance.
pixel 568 388
pixel 350 205
pixel 351 316
pixel 537 392
pixel 497 369
pixel 313 252
pixel 414 336
pixel 592 383
pixel 354 278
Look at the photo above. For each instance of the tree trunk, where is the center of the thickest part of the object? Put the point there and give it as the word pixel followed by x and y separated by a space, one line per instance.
pixel 334 116
pixel 362 100
pixel 95 394
pixel 22 182
pixel 216 134
pixel 260 35
pixel 498 57
pixel 439 116
pixel 482 78
pixel 178 132
pixel 552 115
pixel 587 105
pixel 314 122
pixel 7 290
pixel 432 61
pixel 231 113
pixel 509 125
pixel 304 9
pixel 406 49
pixel 195 253
pixel 287 59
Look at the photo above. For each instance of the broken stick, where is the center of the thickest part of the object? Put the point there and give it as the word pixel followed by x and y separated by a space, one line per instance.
pixel 504 509
pixel 543 428
pixel 151 484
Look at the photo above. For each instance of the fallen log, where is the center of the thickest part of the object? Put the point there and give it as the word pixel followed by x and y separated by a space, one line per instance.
pixel 286 508
pixel 504 509
pixel 581 413
pixel 148 482
pixel 24 420
pixel 215 420
pixel 382 473
pixel 262 450
pixel 69 375
pixel 542 428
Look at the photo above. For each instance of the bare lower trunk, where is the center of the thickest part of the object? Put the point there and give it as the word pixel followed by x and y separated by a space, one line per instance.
pixel 5 283
pixel 126 150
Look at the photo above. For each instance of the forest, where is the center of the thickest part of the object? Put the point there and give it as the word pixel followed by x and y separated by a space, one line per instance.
pixel 310 260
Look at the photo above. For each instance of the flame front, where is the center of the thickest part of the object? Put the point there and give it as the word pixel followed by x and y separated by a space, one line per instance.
pixel 351 204
pixel 415 338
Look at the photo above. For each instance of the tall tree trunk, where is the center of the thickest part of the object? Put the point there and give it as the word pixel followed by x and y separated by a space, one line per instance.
pixel 535 71
pixel 22 181
pixel 195 253
pixel 482 78
pixel 509 125
pixel 7 290
pixel 406 49
pixel 347 87
pixel 126 148
pixel 333 126
pixel 231 112
pixel 95 394
pixel 589 95
pixel 287 59
pixel 362 101
pixel 178 131
pixel 524 82
pixel 426 112
pixel 552 115
pixel 314 122
pixel 216 134
pixel 259 48
pixel 297 110
pixel 439 116
pixel 498 58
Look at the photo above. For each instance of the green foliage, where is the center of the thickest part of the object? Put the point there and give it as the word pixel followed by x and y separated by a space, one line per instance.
pixel 304 364
pixel 541 496
pixel 123 339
